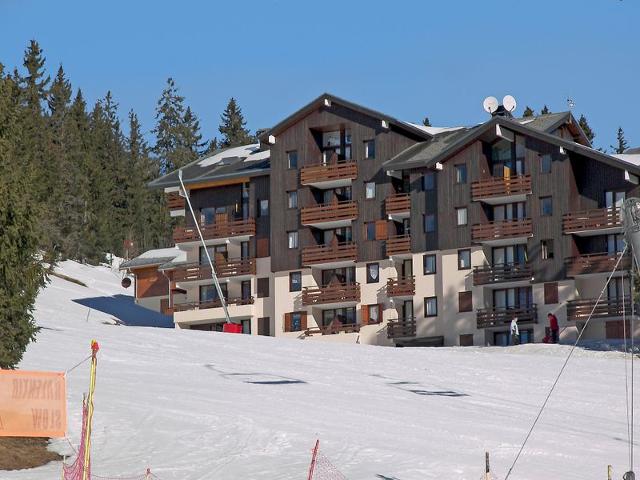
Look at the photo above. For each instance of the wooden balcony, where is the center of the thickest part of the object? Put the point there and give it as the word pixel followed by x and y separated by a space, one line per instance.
pixel 220 230
pixel 333 329
pixel 402 327
pixel 321 254
pixel 592 222
pixel 182 307
pixel 508 272
pixel 581 309
pixel 502 230
pixel 595 263
pixel 398 245
pixel 175 201
pixel 496 189
pixel 229 268
pixel 331 215
pixel 330 175
pixel 398 205
pixel 336 293
pixel 401 287
pixel 499 317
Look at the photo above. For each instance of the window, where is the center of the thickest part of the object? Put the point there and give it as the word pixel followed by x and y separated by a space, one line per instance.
pixel 339 316
pixel 546 249
pixel 464 259
pixel 428 181
pixel 466 340
pixel 429 223
pixel 292 199
pixel 263 287
pixel 370 149
pixel 292 238
pixel 245 289
pixel 545 163
pixel 370 190
pixel 551 293
pixel 430 306
pixel 246 326
pixel 465 301
pixel 373 273
pixel 295 281
pixel 292 159
pixel 264 326
pixel 296 321
pixel 546 206
pixel 209 293
pixel 370 230
pixel 374 314
pixel 263 208
pixel 429 264
pixel 461 216
pixel 461 173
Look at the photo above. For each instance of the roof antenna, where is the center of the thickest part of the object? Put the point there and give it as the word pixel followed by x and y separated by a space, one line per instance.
pixel 570 103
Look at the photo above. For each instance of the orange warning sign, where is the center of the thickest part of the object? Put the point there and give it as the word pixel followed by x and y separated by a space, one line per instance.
pixel 32 404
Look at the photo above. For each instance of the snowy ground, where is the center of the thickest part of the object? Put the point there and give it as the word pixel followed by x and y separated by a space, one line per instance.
pixel 197 405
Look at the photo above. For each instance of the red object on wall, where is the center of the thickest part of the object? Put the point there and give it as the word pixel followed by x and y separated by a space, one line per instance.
pixel 232 328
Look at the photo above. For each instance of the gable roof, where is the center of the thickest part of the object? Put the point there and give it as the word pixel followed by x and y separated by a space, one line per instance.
pixel 225 163
pixel 320 101
pixel 152 258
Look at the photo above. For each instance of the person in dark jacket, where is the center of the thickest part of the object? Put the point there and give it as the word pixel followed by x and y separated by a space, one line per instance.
pixel 553 326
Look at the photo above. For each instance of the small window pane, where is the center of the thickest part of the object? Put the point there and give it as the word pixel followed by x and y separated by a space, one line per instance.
pixel 374 314
pixel 464 259
pixel 373 273
pixel 461 216
pixel 293 239
pixel 370 190
pixel 430 223
pixel 292 199
pixel 461 173
pixel 428 181
pixel 546 249
pixel 296 322
pixel 295 281
pixel 546 206
pixel 293 159
pixel 263 208
pixel 370 149
pixel 429 264
pixel 430 306
pixel 371 230
pixel 545 163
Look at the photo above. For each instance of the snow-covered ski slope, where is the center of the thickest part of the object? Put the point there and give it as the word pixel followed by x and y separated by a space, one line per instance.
pixel 196 405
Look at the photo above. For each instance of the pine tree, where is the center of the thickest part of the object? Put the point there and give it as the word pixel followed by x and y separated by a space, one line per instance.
pixel 528 112
pixel 622 142
pixel 192 138
pixel 233 126
pixel 426 122
pixel 545 110
pixel 34 82
pixel 169 115
pixel 212 146
pixel 584 125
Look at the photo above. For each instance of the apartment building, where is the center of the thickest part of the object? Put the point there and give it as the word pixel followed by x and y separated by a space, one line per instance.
pixel 346 224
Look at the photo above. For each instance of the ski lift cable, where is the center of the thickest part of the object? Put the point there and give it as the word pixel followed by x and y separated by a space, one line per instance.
pixel 223 300
pixel 564 365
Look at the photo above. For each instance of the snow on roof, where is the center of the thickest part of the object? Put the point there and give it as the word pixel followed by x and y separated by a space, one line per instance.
pixel 161 253
pixel 157 256
pixel 242 151
pixel 631 158
pixel 433 130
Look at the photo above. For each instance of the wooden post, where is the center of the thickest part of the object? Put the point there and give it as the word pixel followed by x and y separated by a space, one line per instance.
pixel 487 469
pixel 313 460
pixel 609 472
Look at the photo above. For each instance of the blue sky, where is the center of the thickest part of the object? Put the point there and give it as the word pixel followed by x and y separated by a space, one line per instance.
pixel 407 59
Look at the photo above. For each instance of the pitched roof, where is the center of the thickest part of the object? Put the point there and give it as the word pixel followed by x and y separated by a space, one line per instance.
pixel 243 161
pixel 155 257
pixel 320 101
pixel 632 150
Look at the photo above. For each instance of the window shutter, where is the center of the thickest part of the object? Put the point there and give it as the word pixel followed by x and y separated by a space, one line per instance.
pixel 465 301
pixel 551 292
pixel 381 229
pixel 379 313
pixel 303 321
pixel 365 314
pixel 263 326
pixel 262 247
pixel 287 322
pixel 263 287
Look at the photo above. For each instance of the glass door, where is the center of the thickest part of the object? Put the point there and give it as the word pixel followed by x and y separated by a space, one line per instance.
pixel 407 309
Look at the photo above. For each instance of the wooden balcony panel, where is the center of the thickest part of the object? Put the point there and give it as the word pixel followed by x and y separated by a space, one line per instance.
pixel 405 327
pixel 329 253
pixel 607 307
pixel 401 286
pixel 333 329
pixel 497 317
pixel 175 201
pixel 488 274
pixel 329 212
pixel 501 187
pixel 335 293
pixel 398 245
pixel 502 229
pixel 345 170
pixel 595 263
pixel 600 218
pixel 229 268
pixel 182 307
pixel 398 203
pixel 231 228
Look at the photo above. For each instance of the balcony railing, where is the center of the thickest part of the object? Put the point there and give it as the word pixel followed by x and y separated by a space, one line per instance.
pixel 329 172
pixel 497 317
pixel 335 293
pixel 595 263
pixel 607 307
pixel 506 272
pixel 401 286
pixel 175 201
pixel 398 203
pixel 329 212
pixel 501 187
pixel 182 307
pixel 402 327
pixel 332 329
pixel 224 268
pixel 502 229
pixel 346 251
pixel 231 228
pixel 601 218
pixel 398 245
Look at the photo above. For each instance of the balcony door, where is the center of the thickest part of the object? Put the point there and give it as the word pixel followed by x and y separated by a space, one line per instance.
pixel 209 293
pixel 218 254
pixel 407 310
pixel 509 255
pixel 336 146
pixel 509 211
pixel 614 200
pixel 339 316
pixel 614 289
pixel 615 244
pixel 511 298
pixel 337 235
pixel 504 161
pixel 407 268
pixel 334 276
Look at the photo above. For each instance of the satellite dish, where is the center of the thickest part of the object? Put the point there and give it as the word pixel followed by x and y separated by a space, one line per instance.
pixel 490 104
pixel 509 103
